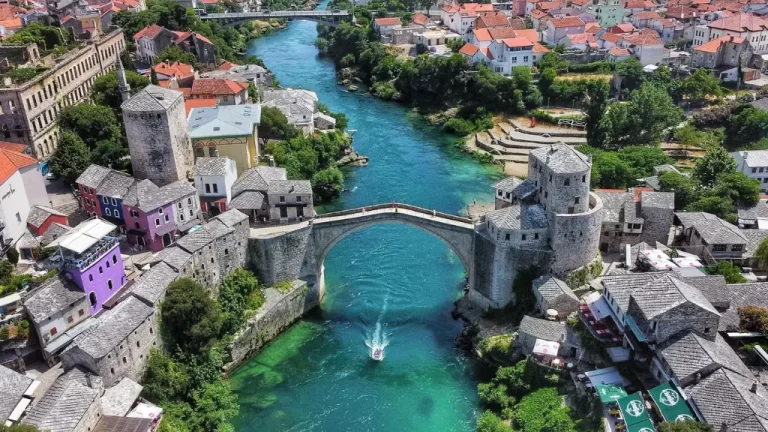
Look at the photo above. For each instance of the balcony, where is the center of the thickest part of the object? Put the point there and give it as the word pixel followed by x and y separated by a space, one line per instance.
pixel 94 253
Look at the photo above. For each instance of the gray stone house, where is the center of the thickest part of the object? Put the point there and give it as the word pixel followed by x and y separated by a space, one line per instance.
pixel 635 216
pixel 553 331
pixel 13 389
pixel 71 404
pixel 553 293
pixel 290 200
pixel 152 285
pixel 690 357
pixel 118 344
pixel 710 237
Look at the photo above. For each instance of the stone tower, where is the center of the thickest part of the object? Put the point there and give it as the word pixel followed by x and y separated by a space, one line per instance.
pixel 156 129
pixel 122 82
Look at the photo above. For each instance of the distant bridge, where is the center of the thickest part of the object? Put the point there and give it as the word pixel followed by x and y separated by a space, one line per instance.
pixel 328 17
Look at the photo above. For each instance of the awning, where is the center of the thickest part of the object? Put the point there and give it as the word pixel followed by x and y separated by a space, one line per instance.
pixel 545 347
pixel 598 306
pixel 610 392
pixel 671 405
pixel 618 354
pixel 609 375
pixel 643 426
pixel 633 409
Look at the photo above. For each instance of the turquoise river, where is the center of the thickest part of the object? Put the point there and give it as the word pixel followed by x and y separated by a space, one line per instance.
pixel 391 284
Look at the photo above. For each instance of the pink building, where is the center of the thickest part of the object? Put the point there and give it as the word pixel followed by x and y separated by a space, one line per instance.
pixel 91 258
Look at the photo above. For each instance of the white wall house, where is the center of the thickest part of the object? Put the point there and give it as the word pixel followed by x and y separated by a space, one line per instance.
pixel 19 191
pixel 744 25
pixel 509 53
pixel 753 164
pixel 214 178
pixel 557 29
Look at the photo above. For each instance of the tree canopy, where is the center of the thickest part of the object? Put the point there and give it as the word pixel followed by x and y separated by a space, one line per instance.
pixel 191 319
pixel 274 125
pixel 700 85
pixel 713 164
pixel 174 54
pixel 685 426
pixel 71 157
pixel 105 89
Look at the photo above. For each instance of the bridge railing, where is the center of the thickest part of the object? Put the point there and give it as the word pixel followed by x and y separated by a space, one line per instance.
pixel 391 206
pixel 275 14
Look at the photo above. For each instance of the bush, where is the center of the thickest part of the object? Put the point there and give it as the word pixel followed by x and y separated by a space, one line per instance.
pixel 13 256
pixel 753 319
pixel 21 75
pixel 489 422
pixel 459 127
pixel 731 273
pixel 715 116
pixel 328 183
pixel 4 332
pixel 239 292
pixel 385 90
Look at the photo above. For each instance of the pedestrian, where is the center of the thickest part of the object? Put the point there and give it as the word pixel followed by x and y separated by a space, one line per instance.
pixel 434 213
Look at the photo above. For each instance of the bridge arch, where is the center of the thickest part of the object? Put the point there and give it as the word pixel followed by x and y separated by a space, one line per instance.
pixel 456 232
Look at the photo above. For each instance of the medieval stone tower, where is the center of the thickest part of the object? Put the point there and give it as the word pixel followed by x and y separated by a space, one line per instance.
pixel 549 222
pixel 156 128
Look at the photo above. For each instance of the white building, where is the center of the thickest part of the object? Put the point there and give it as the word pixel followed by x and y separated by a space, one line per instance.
pixel 557 29
pixel 646 45
pixel 753 164
pixel 214 178
pixel 509 53
pixel 743 25
pixel 21 187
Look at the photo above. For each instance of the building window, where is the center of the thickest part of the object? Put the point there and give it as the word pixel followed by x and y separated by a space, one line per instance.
pixel 576 200
pixel 536 236
pixel 116 214
pixel 80 312
pixel 138 226
pixel 101 270
pixel 215 188
pixel 107 264
pixel 298 199
pixel 160 210
pixel 54 331
pixel 737 248
pixel 191 213
pixel 114 202
pixel 70 319
pixel 719 248
pixel 523 237
pixel 207 188
pixel 583 179
pixel 109 283
pixel 90 278
pixel 282 199
pixel 107 212
pixel 567 182
pixel 92 298
pixel 125 361
pixel 189 201
pixel 157 222
pixel 226 251
pixel 114 259
pixel 18 217
pixel 179 204
pixel 707 329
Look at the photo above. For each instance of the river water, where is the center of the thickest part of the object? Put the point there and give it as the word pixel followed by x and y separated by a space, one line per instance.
pixel 387 285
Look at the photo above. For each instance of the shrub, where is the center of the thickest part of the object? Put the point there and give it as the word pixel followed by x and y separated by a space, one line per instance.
pixel 13 256
pixel 753 319
pixel 459 126
pixel 4 332
pixel 715 116
pixel 385 90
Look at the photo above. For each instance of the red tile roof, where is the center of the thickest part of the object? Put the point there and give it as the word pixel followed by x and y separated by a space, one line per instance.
pixel 450 9
pixel 482 35
pixel 639 4
pixel 198 103
pixel 477 7
pixel 178 70
pixel 148 31
pixel 714 45
pixel 567 22
pixel 645 15
pixel 581 38
pixel 14 147
pixel 622 28
pixel 538 14
pixel 644 37
pixel 469 49
pixel 611 37
pixel 203 38
pixel 549 5
pixel 581 2
pixel 740 22
pixel 186 92
pixel 539 48
pixel 420 19
pixel 497 19
pixel 11 161
pixel 592 27
pixel 618 52
pixel 216 87
pixel 503 32
pixel 530 34
pixel 227 65
pixel 386 22
pixel 517 42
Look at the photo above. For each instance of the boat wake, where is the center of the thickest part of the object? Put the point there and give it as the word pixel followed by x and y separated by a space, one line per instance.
pixel 377 339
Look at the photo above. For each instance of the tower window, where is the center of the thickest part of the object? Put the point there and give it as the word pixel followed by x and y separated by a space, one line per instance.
pixel 567 182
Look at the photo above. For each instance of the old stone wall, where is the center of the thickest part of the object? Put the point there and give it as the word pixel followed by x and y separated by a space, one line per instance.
pixel 278 312
pixel 281 257
pixel 575 238
pixel 656 224
pixel 91 417
pixel 130 357
pixel 554 194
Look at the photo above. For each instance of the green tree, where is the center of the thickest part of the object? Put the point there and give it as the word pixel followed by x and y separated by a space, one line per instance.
pixel 700 85
pixel 253 92
pixel 327 183
pixel 747 126
pixel 731 273
pixel 92 123
pixel 595 102
pixel 174 54
pixel 761 254
pixel 165 380
pixel 719 206
pixel 610 171
pixel 642 159
pixel 489 422
pixel 753 319
pixel 542 407
pixel 13 256
pixel 105 89
pixel 684 188
pixel 712 165
pixel 652 111
pixel 455 44
pixel 46 37
pixel 741 189
pixel 215 405
pixel 274 125
pixel 111 154
pixel 153 77
pixel 71 157
pixel 685 426
pixel 191 320
pixel 239 292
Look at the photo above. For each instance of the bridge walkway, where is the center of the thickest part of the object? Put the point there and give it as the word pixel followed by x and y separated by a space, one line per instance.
pixel 396 208
pixel 276 14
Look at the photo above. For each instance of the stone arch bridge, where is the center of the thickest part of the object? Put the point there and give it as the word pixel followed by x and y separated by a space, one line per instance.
pixel 328 17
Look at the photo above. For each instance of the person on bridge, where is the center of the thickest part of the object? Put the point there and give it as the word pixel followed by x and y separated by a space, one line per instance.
pixel 394 204
pixel 434 213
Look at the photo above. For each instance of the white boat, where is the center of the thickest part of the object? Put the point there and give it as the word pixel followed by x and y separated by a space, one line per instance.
pixel 378 354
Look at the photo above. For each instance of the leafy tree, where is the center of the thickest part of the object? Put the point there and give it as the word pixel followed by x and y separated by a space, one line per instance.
pixel 753 319
pixel 6 271
pixel 489 422
pixel 761 254
pixel 455 44
pixel 542 407
pixel 740 188
pixel 215 405
pixel 105 89
pixel 253 92
pixel 93 123
pixel 712 165
pixel 46 37
pixel 717 205
pixel 643 159
pixel 701 85
pixel 13 256
pixel 726 268
pixel 631 72
pixel 174 54
pixel 110 153
pixel 684 188
pixel 327 183
pixel 153 77
pixel 610 171
pixel 164 379
pixel 71 157
pixel 653 111
pixel 274 125
pixel 596 100
pixel 685 426
pixel 690 136
pixel 191 319
pixel 749 125
pixel 240 291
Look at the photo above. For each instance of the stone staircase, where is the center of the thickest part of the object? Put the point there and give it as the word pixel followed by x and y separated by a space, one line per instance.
pixel 510 143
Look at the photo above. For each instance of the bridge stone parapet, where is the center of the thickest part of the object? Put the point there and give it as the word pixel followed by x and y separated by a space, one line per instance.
pixel 328 17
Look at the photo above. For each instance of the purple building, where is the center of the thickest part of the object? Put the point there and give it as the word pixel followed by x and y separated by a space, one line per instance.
pixel 91 257
pixel 151 213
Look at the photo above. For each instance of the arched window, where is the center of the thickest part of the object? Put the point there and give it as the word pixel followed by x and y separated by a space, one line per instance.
pixel 92 298
pixel 114 259
pixel 109 283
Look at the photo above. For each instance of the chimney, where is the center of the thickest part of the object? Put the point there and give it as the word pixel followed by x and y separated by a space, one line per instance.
pixel 88 380
pixel 753 389
pixel 697 377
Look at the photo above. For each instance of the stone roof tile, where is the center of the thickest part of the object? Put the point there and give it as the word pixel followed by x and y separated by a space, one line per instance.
pixel 53 295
